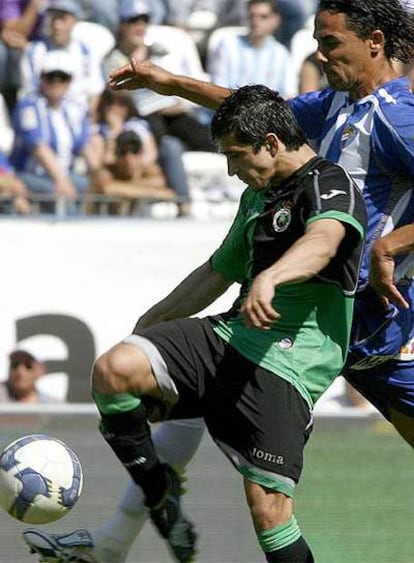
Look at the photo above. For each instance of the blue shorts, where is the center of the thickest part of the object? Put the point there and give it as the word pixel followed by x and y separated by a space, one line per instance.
pixel 380 362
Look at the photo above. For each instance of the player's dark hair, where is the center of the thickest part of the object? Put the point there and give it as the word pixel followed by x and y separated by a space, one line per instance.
pixel 389 16
pixel 251 112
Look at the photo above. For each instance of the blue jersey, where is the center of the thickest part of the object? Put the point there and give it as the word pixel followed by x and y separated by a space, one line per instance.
pixel 373 139
pixel 65 130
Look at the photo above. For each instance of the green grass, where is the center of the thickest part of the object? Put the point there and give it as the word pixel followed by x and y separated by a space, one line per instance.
pixel 355 502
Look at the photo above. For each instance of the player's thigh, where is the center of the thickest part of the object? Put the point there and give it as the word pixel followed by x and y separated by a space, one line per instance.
pixel 187 354
pixel 260 421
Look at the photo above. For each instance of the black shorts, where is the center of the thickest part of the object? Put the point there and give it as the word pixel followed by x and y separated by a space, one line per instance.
pixel 259 420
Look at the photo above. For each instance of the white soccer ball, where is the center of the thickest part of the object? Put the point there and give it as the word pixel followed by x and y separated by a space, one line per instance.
pixel 41 479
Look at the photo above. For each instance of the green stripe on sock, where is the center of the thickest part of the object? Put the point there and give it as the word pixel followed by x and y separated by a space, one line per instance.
pixel 115 404
pixel 279 536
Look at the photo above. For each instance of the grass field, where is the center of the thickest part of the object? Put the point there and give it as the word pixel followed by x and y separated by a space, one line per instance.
pixel 356 500
pixel 355 503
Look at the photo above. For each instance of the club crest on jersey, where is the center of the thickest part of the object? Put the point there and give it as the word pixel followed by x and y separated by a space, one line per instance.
pixel 282 218
pixel 285 343
pixel 348 134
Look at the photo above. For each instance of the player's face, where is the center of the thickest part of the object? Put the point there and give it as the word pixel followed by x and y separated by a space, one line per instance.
pixel 255 169
pixel 346 59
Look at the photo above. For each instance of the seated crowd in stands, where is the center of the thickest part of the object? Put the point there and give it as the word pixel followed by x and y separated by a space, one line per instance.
pixel 65 137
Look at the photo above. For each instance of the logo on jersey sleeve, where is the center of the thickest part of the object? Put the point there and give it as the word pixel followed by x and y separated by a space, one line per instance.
pixel 332 193
pixel 282 218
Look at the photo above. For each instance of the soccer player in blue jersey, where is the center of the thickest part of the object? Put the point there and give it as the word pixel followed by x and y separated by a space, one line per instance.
pixel 364 121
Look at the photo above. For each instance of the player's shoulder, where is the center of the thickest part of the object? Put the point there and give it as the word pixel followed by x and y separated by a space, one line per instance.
pixel 322 99
pixel 331 175
pixel 394 95
pixel 395 109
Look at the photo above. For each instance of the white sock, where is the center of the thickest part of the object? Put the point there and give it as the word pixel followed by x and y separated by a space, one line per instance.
pixel 176 441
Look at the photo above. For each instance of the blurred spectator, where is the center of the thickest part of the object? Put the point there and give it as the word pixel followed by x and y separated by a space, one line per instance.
pixel 303 45
pixel 20 386
pixel 311 75
pixel 20 21
pixel 168 115
pixel 225 12
pixel 13 188
pixel 117 113
pixel 51 130
pixel 294 15
pixel 87 81
pixel 129 179
pixel 7 133
pixel 264 60
pixel 201 17
pixel 104 12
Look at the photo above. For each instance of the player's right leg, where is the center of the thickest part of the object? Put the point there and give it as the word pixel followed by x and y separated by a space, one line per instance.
pixel 123 380
pixel 176 442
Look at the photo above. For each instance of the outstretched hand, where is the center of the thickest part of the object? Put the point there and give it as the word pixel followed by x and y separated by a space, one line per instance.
pixel 135 75
pixel 381 279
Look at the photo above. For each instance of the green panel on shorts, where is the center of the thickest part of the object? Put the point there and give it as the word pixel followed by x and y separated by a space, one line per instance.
pixel 270 482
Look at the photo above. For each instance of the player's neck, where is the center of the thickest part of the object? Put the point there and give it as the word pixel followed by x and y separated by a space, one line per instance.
pixel 291 161
pixel 372 81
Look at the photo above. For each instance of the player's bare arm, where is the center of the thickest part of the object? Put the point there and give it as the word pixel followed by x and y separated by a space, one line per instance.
pixel 306 258
pixel 384 250
pixel 193 294
pixel 146 74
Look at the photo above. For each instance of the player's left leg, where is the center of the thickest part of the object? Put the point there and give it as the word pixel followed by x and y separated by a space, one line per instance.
pixel 276 527
pixel 261 423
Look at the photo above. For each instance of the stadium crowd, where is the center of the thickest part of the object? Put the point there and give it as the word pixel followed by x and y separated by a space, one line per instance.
pixel 61 127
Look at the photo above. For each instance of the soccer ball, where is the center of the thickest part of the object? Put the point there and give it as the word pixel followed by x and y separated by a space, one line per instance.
pixel 41 479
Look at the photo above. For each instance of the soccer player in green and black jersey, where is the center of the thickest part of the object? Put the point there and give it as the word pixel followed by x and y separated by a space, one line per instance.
pixel 255 372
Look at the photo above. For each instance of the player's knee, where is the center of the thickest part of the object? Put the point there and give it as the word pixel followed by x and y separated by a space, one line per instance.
pixel 268 508
pixel 116 371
